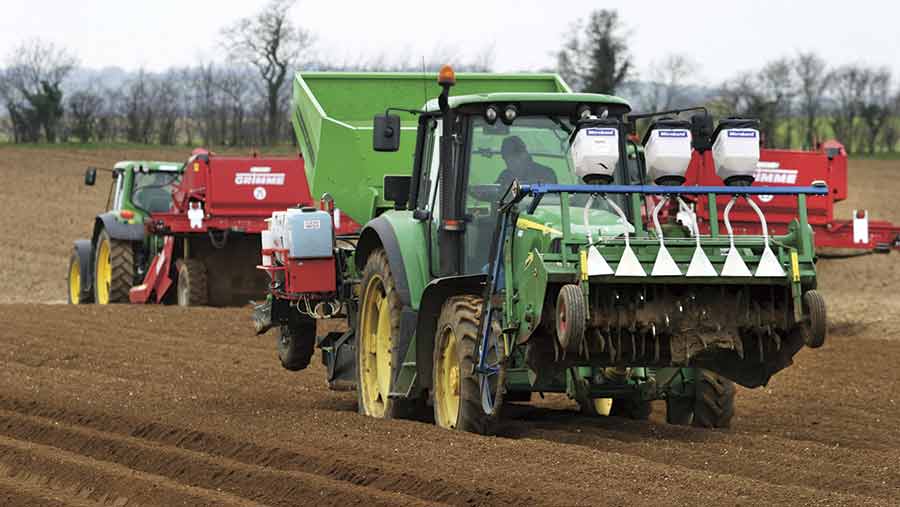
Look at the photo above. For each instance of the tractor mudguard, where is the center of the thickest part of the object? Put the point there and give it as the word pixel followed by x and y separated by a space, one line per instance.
pixel 85 251
pixel 434 296
pixel 116 229
pixel 402 238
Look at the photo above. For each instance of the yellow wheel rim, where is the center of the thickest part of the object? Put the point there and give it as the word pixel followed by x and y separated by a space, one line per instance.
pixel 602 406
pixel 104 272
pixel 74 282
pixel 375 353
pixel 446 390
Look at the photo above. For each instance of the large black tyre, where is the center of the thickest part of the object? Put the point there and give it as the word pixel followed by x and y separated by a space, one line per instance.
pixel 679 410
pixel 191 287
pixel 296 344
pixel 378 328
pixel 113 269
pixel 713 400
pixel 632 408
pixel 457 391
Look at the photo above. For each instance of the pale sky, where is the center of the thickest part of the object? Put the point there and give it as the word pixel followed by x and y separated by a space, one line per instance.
pixel 725 37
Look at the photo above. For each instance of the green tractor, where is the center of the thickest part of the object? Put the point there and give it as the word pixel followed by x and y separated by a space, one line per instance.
pixel 104 268
pixel 539 247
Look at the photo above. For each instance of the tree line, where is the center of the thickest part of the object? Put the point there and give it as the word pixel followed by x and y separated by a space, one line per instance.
pixel 800 99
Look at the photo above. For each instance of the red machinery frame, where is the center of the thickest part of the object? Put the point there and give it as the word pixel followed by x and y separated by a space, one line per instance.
pixel 799 168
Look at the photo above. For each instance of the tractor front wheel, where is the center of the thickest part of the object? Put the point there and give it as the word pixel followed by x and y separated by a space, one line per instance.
pixel 713 400
pixel 192 290
pixel 631 408
pixel 457 391
pixel 113 269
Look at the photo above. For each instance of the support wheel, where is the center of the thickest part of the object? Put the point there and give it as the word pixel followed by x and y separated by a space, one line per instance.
pixel 296 344
pixel 713 400
pixel 631 408
pixel 571 318
pixel 113 269
pixel 816 327
pixel 457 392
pixel 377 328
pixel 192 289
pixel 76 296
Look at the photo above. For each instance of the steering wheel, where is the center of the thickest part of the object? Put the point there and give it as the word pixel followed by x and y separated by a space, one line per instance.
pixel 489 192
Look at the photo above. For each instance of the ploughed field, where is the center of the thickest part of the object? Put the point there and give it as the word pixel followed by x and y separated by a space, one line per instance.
pixel 130 405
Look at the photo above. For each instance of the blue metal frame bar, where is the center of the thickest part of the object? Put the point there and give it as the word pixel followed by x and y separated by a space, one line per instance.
pixel 540 189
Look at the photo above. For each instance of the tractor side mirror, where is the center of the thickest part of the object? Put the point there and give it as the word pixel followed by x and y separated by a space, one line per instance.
pixel 386 134
pixel 90 176
pixel 396 189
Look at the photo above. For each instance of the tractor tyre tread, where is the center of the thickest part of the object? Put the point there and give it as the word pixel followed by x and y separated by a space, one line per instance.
pixel 377 264
pixel 121 261
pixel 198 291
pixel 713 400
pixel 462 314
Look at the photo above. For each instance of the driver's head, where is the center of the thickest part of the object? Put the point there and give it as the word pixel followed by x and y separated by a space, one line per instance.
pixel 514 151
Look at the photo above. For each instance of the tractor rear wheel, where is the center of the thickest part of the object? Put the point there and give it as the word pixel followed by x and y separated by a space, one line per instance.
pixel 76 296
pixel 457 391
pixel 192 289
pixel 113 269
pixel 296 344
pixel 378 328
pixel 713 400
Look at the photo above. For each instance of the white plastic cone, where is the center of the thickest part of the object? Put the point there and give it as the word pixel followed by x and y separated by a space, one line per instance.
pixel 735 265
pixel 629 265
pixel 700 265
pixel 664 264
pixel 769 265
pixel 596 264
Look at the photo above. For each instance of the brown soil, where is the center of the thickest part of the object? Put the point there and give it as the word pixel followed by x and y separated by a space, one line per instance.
pixel 132 405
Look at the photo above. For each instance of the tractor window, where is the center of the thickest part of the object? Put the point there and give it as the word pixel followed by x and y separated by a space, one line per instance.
pixel 152 191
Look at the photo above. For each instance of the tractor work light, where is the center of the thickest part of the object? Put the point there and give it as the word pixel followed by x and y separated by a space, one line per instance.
pixel 510 113
pixel 736 151
pixel 490 114
pixel 446 77
pixel 667 150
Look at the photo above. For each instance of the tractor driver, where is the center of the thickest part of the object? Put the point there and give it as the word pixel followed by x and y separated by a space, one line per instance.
pixel 520 166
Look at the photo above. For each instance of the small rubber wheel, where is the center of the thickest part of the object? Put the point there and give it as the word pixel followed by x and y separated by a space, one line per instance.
pixel 571 318
pixel 295 344
pixel 816 328
pixel 713 400
pixel 191 288
pixel 631 408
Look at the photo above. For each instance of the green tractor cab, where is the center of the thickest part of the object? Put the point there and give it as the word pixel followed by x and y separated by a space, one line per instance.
pixel 103 269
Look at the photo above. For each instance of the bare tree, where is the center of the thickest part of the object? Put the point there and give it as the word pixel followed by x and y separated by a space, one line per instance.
pixel 666 86
pixel 595 56
pixel 877 107
pixel 84 107
pixel 32 88
pixel 166 99
pixel 847 85
pixel 779 86
pixel 745 96
pixel 271 43
pixel 138 109
pixel 813 80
